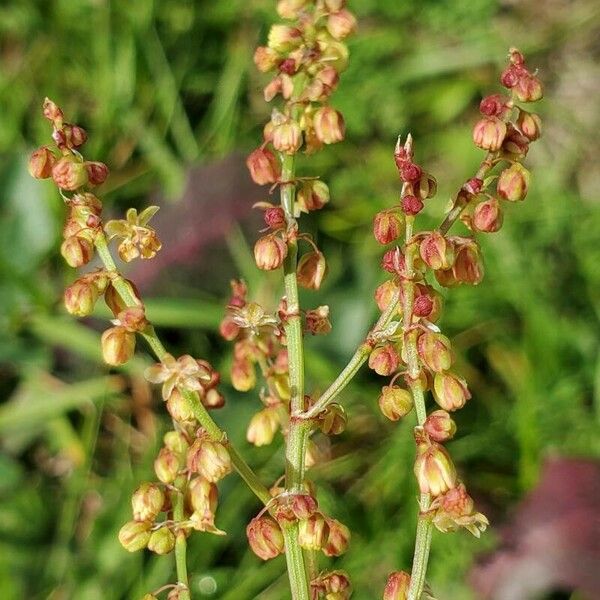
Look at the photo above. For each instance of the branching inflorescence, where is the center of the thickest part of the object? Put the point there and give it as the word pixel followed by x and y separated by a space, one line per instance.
pixel 306 55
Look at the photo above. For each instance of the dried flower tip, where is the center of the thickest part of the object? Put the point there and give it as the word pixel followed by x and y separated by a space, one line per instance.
pixel 329 125
pixel 134 535
pixel 341 24
pixel 313 532
pixel 312 195
pixel 270 252
pixel 162 541
pixel 434 469
pixel 69 173
pixel 513 183
pixel 332 421
pixel 167 465
pixel 488 216
pixel 384 360
pixel 53 113
pixel 411 205
pixel 489 133
pixel 147 502
pixel 397 586
pixel 41 163
pixel 338 538
pixel 265 537
pixel 395 402
pixel 450 391
pixel 317 320
pixel 435 351
pixel 118 345
pixel 439 426
pixel 311 270
pixel 263 426
pixel 209 459
pixel 387 226
pixel 263 166
pixel 530 125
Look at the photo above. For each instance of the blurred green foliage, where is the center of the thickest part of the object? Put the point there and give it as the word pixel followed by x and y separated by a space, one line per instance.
pixel 164 84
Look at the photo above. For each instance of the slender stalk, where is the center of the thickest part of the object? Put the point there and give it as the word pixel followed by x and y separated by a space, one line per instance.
pixel 200 412
pixel 180 540
pixel 298 430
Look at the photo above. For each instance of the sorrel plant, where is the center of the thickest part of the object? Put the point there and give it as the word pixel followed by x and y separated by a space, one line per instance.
pixel 306 55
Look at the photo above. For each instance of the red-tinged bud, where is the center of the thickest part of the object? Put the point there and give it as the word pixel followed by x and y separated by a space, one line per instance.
pixel 513 183
pixel 283 38
pixel 133 318
pixel 450 391
pixel 397 586
pixel 317 320
pixel 511 75
pixel 209 459
pixel 77 136
pixel 243 375
pixel 528 89
pixel 436 251
pixel 411 205
pixel 162 541
pixel 425 187
pixel 134 535
pixel 167 465
pixel 329 77
pixel 179 408
pixel 489 133
pixel 332 421
pixel 428 302
pixel 333 582
pixel 213 399
pixel 393 262
pixel 118 346
pixel 435 351
pixel 385 293
pixel 175 441
pixel 275 218
pixel 434 469
pixel 329 125
pixel 265 537
pixel 488 216
pixel 313 532
pixel 80 297
pixel 97 172
pixel 410 172
pixel 439 426
pixel 269 252
pixel 41 162
pixel 337 540
pixel 263 166
pixel 473 186
pixel 530 125
pixel 384 360
pixel 395 402
pixel 287 137
pixel 266 59
pixel 387 226
pixel 69 173
pixel 493 106
pixel 52 112
pixel 515 143
pixel 423 306
pixel 290 9
pixel 229 329
pixel 203 496
pixel 303 506
pixel 147 502
pixel 312 195
pixel 287 66
pixel 341 24
pixel 468 266
pixel 311 270
pixel 263 426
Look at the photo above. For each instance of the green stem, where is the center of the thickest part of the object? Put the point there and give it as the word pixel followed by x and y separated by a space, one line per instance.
pixel 297 434
pixel 180 540
pixel 424 526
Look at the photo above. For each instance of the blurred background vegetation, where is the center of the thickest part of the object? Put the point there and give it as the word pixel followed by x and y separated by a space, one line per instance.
pixel 166 86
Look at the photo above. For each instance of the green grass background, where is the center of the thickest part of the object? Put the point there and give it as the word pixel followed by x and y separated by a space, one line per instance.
pixel 162 85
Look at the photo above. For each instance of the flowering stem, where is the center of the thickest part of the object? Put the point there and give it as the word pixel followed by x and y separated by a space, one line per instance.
pixel 180 541
pixel 200 412
pixel 298 430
